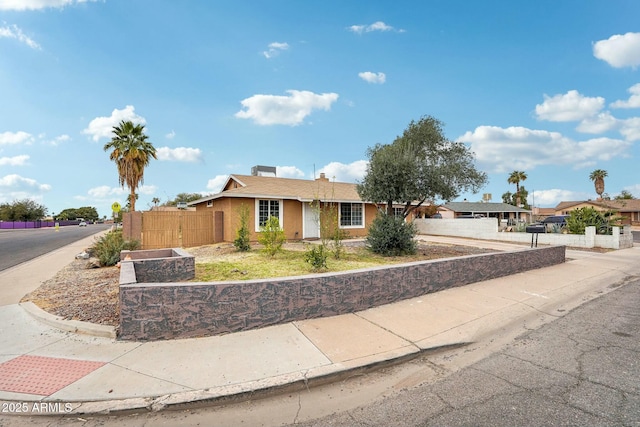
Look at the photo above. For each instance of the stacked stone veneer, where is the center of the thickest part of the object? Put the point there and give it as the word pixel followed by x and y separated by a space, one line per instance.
pixel 153 311
pixel 156 265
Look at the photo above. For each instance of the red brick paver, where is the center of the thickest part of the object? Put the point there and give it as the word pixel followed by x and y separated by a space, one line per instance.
pixel 42 375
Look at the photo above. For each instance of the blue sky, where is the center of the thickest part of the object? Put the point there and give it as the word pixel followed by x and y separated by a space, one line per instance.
pixel 550 87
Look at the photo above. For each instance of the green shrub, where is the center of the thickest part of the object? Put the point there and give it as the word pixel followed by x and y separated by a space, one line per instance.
pixel 337 247
pixel 317 257
pixel 107 248
pixel 242 242
pixel 272 236
pixel 391 236
pixel 587 216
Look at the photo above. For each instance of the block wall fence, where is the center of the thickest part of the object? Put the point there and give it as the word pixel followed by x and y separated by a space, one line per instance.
pixel 157 311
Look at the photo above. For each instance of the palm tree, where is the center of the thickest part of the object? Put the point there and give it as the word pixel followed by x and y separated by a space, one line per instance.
pixel 131 153
pixel 598 176
pixel 515 178
pixel 155 201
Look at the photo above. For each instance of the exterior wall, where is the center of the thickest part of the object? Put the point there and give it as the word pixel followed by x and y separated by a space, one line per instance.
pixel 150 311
pixel 479 229
pixel 292 217
pixel 475 228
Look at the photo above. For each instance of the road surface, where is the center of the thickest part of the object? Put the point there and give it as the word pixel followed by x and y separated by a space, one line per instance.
pixel 18 246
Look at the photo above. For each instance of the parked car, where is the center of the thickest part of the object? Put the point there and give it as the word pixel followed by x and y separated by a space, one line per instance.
pixel 83 224
pixel 561 220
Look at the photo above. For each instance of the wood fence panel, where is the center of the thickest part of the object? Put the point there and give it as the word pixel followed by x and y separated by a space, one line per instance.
pixel 161 230
pixel 197 228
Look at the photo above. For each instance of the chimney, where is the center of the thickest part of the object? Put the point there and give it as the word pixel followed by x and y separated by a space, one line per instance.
pixel 322 177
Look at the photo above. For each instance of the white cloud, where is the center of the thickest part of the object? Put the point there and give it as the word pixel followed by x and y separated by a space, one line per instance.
pixel 376 26
pixel 17 184
pixel 170 135
pixel 12 138
pixel 340 172
pixel 503 150
pixel 13 32
pixel 179 154
pixel 14 161
pixel 633 101
pixel 215 184
pixel 554 196
pixel 289 172
pixel 568 107
pixel 619 50
pixel 37 4
pixel 57 140
pixel 372 77
pixel 102 127
pixel 631 129
pixel 274 49
pixel 105 192
pixel 284 110
pixel 601 123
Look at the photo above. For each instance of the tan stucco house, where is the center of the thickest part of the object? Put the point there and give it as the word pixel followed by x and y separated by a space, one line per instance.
pixel 293 201
pixel 628 209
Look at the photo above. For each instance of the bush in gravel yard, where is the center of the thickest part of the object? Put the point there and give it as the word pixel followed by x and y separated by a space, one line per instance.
pixel 107 248
pixel 317 257
pixel 272 236
pixel 242 242
pixel 391 236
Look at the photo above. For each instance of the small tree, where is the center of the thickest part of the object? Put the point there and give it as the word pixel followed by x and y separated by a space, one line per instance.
pixel 242 242
pixel 390 235
pixel 272 236
pixel 420 165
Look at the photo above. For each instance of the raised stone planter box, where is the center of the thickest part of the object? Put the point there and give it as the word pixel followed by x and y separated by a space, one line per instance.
pixel 153 311
pixel 156 265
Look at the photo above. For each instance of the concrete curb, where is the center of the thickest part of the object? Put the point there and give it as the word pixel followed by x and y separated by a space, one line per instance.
pixel 241 392
pixel 76 326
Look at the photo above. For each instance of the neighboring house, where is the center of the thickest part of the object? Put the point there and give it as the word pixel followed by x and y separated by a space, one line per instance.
pixel 293 201
pixel 542 213
pixel 170 209
pixel 628 209
pixel 502 211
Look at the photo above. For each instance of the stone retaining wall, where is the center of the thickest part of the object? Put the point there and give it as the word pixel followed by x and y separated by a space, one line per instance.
pixel 157 265
pixel 154 311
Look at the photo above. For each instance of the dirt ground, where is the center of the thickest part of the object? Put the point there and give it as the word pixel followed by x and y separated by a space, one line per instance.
pixel 78 292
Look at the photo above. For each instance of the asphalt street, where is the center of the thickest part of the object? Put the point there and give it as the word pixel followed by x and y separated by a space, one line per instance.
pixel 18 246
pixel 581 370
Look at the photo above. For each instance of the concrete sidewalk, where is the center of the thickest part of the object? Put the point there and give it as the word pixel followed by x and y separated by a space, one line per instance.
pixel 47 371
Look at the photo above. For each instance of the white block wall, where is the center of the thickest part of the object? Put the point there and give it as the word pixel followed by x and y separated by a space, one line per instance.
pixel 487 229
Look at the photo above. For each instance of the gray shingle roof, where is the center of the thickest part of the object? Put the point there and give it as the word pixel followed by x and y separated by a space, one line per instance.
pixel 477 207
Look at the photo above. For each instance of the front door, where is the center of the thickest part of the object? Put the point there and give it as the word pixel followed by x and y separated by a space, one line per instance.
pixel 311 222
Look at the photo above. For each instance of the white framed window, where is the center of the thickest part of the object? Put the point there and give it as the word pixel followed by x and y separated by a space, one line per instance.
pixel 210 203
pixel 351 215
pixel 266 208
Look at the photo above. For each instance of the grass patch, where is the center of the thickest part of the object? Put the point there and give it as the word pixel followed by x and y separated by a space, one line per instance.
pixel 259 265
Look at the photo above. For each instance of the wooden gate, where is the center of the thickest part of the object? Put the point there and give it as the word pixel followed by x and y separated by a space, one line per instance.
pixel 181 229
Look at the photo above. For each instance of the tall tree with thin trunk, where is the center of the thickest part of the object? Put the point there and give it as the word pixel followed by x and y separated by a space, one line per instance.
pixel 598 176
pixel 131 153
pixel 515 178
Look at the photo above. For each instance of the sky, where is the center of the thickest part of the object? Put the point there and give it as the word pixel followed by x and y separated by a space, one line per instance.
pixel 548 87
